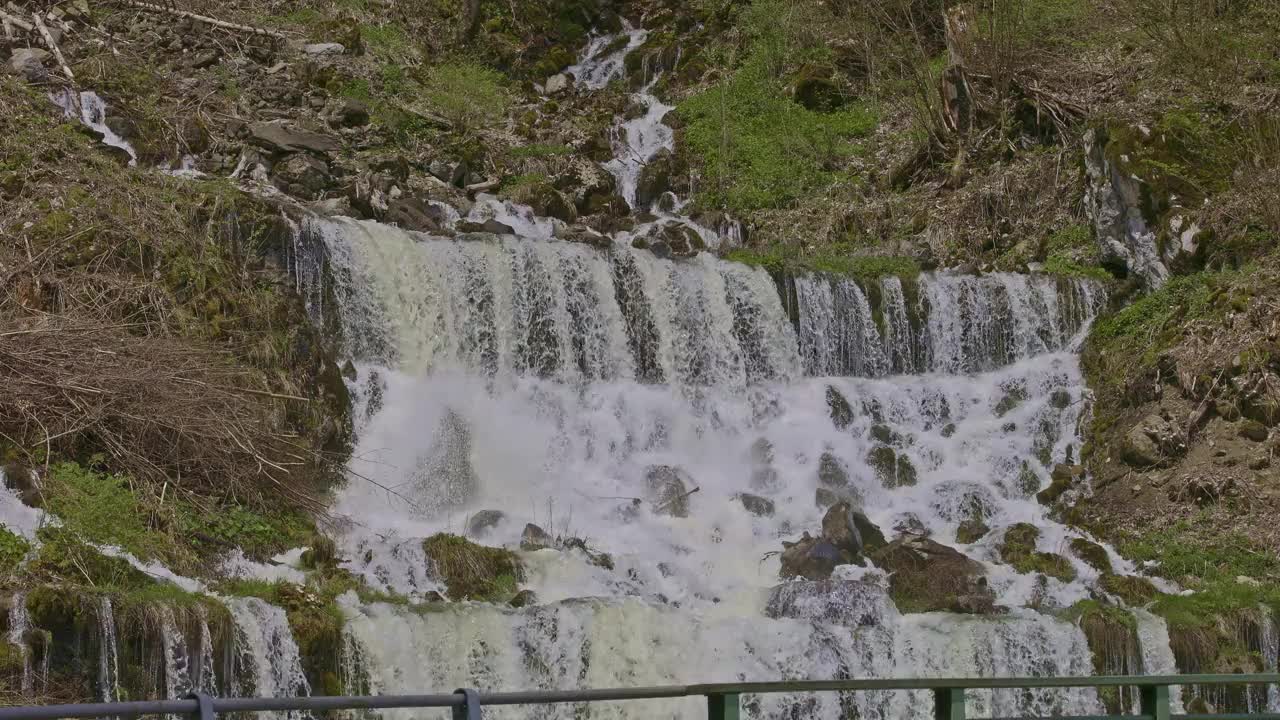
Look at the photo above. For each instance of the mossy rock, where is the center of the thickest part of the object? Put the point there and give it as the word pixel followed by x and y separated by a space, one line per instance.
pixel 1018 549
pixel 1133 590
pixel 473 572
pixel 839 408
pixel 971 531
pixel 927 576
pixel 891 467
pixel 1112 635
pixel 1093 554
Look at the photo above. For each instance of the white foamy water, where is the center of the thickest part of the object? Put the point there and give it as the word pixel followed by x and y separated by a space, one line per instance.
pixel 91 110
pixel 1157 655
pixel 266 652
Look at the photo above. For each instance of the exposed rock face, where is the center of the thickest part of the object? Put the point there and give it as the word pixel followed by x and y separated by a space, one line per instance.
pixel 851 531
pixel 1114 200
pixel 668 492
pixel 277 137
pixel 535 538
pixel 971 531
pixel 352 113
pixel 928 576
pixel 839 408
pixel 893 469
pixel 302 176
pixel 413 213
pixel 28 64
pixel 810 558
pixel 756 505
pixel 1152 441
pixel 483 521
pixel 665 172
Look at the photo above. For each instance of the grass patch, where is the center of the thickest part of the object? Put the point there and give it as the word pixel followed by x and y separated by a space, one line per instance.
pixel 541 150
pixel 1181 551
pixel 473 572
pixel 467 94
pixel 757 148
pixel 836 259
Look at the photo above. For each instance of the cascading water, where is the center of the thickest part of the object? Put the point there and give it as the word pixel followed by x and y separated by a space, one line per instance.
pixel 108 653
pixel 266 652
pixel 1271 656
pixel 1157 653
pixel 177 677
pixel 19 625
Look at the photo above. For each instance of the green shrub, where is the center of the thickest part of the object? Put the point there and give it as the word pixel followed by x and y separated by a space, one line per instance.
pixel 473 572
pixel 466 94
pixel 13 548
pixel 101 508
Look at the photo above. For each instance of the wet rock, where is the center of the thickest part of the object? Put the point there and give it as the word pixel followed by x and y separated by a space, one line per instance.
pixel 302 176
pixel 832 472
pixel 893 469
pixel 1060 399
pixel 1063 478
pixel 599 559
pixel 756 505
pixel 547 201
pixel 584 235
pixel 277 137
pixel 318 49
pixel 683 240
pixel 911 524
pixel 848 603
pixel 24 483
pixel 490 226
pixel 524 598
pixel 810 558
pixel 535 538
pixel 659 249
pixel 416 214
pixel 839 409
pixel 1093 554
pixel 664 172
pixel 1114 198
pixel 28 64
pixel 851 531
pixel 352 113
pixel 825 498
pixel 668 491
pixel 971 531
pixel 479 524
pixel 927 576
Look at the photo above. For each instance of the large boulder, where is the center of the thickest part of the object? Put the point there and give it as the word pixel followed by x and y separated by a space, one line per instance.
pixel 927 576
pixel 851 531
pixel 479 524
pixel 810 558
pixel 535 538
pixel 667 489
pixel 1152 441
pixel 28 64
pixel 665 172
pixel 302 176
pixel 415 213
pixel 891 467
pixel 279 138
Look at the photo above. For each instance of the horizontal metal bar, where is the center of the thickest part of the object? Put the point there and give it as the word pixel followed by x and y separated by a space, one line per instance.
pixel 1088 717
pixel 985 683
pixel 184 707
pixel 1226 716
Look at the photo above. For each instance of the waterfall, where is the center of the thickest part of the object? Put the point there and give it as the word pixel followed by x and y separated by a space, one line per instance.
pixel 1271 656
pixel 592 643
pixel 19 625
pixel 267 654
pixel 108 653
pixel 206 680
pixel 1157 653
pixel 177 677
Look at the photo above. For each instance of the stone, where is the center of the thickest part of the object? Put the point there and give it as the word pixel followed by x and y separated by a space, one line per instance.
pixel 971 531
pixel 277 137
pixel 352 113
pixel 839 409
pixel 893 469
pixel 490 227
pixel 412 213
pixel 440 170
pixel 524 598
pixel 810 558
pixel 668 492
pixel 683 240
pixel 756 505
pixel 1060 399
pixel 547 201
pixel 659 249
pixel 204 58
pixel 1253 430
pixel 911 524
pixel 664 172
pixel 324 49
pixel 1063 478
pixel 1150 442
pixel 832 472
pixel 851 531
pixel 303 176
pixel 479 524
pixel 927 576
pixel 535 538
pixel 1114 198
pixel 558 83
pixel 28 64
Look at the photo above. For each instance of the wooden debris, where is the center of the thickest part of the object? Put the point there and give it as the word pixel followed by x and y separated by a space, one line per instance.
pixel 204 18
pixel 10 20
pixel 53 47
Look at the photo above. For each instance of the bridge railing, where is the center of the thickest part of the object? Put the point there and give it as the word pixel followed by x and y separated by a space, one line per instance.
pixel 722 700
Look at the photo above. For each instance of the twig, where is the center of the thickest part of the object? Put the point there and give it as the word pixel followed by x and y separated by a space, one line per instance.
pixel 204 18
pixel 53 46
pixel 676 499
pixel 13 20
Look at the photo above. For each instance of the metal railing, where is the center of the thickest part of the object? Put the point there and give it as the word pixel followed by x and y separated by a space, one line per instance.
pixel 722 700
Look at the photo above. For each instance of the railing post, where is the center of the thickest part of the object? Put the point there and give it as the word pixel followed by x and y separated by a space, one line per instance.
pixel 722 706
pixel 470 707
pixel 1155 701
pixel 948 703
pixel 204 707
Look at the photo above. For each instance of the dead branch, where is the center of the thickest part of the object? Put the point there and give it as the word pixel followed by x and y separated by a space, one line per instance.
pixel 53 46
pixel 16 22
pixel 204 18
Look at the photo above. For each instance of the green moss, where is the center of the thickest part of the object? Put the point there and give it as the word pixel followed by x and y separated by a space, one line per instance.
pixel 835 259
pixel 1018 549
pixel 540 150
pixel 63 556
pixel 1092 553
pixel 102 508
pixel 471 571
pixel 1133 590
